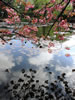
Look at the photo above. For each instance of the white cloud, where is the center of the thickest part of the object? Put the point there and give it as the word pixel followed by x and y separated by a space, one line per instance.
pixel 70 42
pixel 42 59
pixel 6 61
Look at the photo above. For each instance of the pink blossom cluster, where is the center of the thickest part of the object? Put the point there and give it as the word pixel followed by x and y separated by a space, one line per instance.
pixel 49 17
pixel 49 13
pixel 34 20
pixel 27 30
pixel 61 37
pixel 27 17
pixel 49 10
pixel 41 18
pixel 72 0
pixel 5 31
pixel 64 24
pixel 30 32
pixel 28 6
pixel 42 12
pixel 50 44
pixel 59 7
pixel 34 28
pixel 52 1
pixel 12 16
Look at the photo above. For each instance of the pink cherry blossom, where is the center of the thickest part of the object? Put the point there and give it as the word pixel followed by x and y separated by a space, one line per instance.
pixel 26 30
pixel 27 17
pixel 67 48
pixel 67 55
pixel 51 45
pixel 26 8
pixel 34 28
pixel 42 12
pixel 61 37
pixel 41 20
pixel 35 20
pixel 63 24
pixel 52 1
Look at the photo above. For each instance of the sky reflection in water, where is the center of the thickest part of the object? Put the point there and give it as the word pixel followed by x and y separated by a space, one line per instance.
pixel 20 55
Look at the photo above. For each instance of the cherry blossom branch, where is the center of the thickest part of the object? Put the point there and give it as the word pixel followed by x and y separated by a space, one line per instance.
pixel 58 17
pixel 3 39
pixel 20 34
pixel 7 4
pixel 50 6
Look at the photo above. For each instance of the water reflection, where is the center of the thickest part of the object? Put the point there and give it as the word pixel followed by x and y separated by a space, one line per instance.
pixel 20 55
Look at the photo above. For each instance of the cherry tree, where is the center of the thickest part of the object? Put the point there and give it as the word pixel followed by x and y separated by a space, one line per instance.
pixel 52 12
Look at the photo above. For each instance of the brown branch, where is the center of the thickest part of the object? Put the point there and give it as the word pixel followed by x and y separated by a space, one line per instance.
pixel 58 17
pixel 3 39
pixel 7 4
pixel 50 6
pixel 21 35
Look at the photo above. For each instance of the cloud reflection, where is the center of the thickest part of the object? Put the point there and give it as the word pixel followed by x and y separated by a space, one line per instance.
pixel 57 62
pixel 6 61
pixel 42 59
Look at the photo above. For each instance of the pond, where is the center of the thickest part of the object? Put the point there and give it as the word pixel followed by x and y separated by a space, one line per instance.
pixel 18 56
